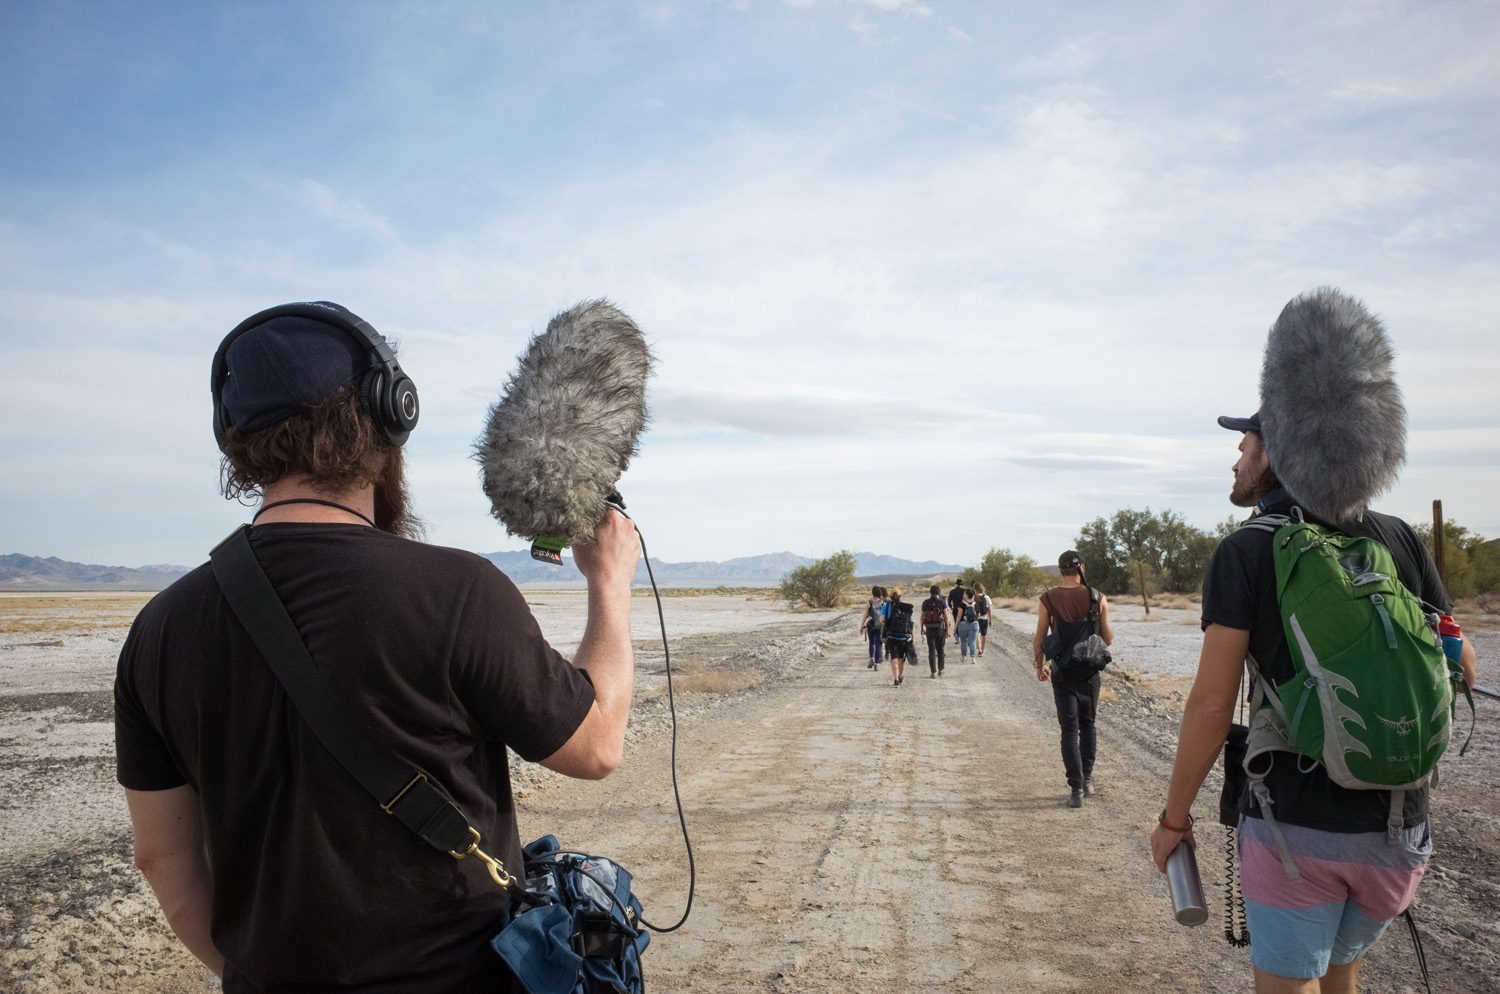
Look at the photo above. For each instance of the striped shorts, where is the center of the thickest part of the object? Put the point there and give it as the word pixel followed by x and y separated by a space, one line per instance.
pixel 1351 886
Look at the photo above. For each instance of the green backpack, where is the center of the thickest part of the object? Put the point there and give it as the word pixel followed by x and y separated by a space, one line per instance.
pixel 1371 698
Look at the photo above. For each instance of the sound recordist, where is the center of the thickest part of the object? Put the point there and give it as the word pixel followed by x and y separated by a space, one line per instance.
pixel 271 863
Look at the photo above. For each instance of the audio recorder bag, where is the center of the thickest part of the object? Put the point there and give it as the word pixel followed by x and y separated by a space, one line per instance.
pixel 574 926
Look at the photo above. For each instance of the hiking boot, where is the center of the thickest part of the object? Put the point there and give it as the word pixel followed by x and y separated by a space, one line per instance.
pixel 1088 787
pixel 1075 799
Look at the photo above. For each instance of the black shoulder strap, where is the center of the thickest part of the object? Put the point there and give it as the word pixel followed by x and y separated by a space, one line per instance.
pixel 1093 603
pixel 400 789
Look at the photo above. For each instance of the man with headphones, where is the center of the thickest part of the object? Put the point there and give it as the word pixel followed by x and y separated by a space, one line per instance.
pixel 271 863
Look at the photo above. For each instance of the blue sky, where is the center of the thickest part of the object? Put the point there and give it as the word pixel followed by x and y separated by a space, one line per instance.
pixel 923 278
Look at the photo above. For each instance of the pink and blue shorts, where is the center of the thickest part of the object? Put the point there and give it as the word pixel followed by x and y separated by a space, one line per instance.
pixel 1351 886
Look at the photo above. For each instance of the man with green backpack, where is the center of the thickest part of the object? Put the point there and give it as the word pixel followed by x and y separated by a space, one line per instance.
pixel 1326 605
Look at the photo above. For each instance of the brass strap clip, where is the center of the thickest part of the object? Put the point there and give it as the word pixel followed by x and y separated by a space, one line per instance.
pixel 496 868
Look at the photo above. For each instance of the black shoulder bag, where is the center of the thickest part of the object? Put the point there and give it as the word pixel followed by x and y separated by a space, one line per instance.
pixel 573 925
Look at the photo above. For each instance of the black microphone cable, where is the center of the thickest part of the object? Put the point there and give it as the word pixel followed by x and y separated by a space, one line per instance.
pixel 672 708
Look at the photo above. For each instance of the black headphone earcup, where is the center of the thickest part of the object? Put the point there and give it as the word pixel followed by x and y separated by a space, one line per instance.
pixel 405 407
pixel 391 404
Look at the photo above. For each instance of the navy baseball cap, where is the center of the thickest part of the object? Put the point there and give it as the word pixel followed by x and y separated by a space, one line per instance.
pixel 284 366
pixel 1069 560
pixel 1252 423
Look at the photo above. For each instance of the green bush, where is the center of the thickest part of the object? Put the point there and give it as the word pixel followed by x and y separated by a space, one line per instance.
pixel 1005 574
pixel 824 583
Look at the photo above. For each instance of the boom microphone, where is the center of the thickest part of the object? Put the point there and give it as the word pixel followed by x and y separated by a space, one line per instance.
pixel 564 430
pixel 1331 413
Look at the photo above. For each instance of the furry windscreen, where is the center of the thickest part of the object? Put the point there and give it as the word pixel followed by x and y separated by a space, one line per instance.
pixel 1331 413
pixel 557 441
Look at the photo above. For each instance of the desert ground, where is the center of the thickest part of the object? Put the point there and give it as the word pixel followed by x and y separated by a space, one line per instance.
pixel 849 836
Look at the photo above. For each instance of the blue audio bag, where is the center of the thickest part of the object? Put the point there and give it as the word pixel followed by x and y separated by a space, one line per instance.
pixel 577 927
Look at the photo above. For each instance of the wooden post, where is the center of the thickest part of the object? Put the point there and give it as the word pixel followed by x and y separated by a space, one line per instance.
pixel 1437 541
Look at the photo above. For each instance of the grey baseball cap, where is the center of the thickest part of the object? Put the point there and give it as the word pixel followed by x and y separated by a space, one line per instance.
pixel 1252 423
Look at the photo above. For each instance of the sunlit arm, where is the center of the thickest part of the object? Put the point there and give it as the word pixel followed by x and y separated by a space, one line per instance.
pixel 1043 622
pixel 1205 725
pixel 169 853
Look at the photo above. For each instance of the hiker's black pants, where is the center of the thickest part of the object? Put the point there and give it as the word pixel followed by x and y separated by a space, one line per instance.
pixel 1077 705
pixel 936 639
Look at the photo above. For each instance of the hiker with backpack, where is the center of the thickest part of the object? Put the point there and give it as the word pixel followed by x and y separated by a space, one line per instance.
pixel 968 628
pixel 1333 834
pixel 898 632
pixel 873 624
pixel 936 625
pixel 955 602
pixel 982 607
pixel 1072 631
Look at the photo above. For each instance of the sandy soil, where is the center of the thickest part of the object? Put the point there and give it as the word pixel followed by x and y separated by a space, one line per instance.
pixel 849 836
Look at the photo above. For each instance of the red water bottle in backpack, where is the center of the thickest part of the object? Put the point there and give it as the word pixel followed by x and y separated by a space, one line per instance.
pixel 1453 638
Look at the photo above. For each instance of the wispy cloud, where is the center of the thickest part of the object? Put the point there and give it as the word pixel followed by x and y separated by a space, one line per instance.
pixel 1010 266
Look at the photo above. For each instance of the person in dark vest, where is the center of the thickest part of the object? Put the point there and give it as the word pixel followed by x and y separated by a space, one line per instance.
pixel 1076 697
pixel 271 863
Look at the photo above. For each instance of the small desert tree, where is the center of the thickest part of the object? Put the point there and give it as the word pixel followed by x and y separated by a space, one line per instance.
pixel 820 584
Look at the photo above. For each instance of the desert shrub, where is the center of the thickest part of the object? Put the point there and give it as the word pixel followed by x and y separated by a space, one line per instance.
pixel 1471 563
pixel 1005 574
pixel 825 583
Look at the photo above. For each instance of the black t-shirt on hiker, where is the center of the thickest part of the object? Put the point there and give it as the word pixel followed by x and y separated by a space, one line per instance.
pixel 315 888
pixel 1239 591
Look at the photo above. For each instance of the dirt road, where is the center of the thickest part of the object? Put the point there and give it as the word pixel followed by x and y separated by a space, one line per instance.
pixel 855 837
pixel 849 836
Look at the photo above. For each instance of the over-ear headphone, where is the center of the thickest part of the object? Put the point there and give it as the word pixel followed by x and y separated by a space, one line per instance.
pixel 387 394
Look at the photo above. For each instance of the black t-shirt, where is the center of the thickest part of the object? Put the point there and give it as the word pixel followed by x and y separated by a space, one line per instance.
pixel 956 599
pixel 1239 591
pixel 315 888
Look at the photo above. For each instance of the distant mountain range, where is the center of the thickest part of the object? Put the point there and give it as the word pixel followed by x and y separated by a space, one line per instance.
pixel 19 572
pixel 30 573
pixel 747 571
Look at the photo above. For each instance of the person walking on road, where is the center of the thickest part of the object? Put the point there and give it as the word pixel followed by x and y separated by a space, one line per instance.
pixel 873 624
pixel 1065 610
pixel 1325 867
pixel 955 602
pixel 968 628
pixel 936 624
pixel 898 631
pixel 982 608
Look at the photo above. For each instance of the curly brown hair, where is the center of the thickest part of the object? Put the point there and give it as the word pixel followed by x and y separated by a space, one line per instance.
pixel 335 446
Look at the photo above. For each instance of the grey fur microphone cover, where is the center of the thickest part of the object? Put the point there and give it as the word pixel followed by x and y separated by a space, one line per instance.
pixel 566 426
pixel 1331 413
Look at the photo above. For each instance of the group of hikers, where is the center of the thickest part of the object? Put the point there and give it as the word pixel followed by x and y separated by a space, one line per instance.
pixel 310 411
pixel 1314 593
pixel 888 627
pixel 1067 615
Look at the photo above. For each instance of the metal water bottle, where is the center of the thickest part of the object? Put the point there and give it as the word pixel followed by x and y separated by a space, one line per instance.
pixel 1188 905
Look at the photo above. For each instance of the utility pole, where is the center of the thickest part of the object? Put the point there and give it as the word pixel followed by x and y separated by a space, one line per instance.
pixel 1437 541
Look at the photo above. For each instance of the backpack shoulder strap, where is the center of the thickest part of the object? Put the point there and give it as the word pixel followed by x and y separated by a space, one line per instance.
pixel 400 789
pixel 1267 522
